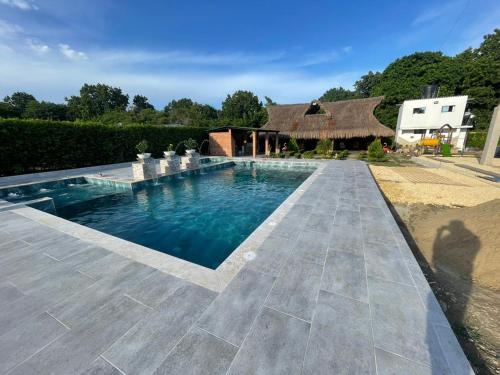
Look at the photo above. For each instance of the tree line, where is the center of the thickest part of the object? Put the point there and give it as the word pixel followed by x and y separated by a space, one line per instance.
pixel 474 72
pixel 109 105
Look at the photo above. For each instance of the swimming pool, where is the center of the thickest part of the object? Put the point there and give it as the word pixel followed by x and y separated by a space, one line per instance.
pixel 200 217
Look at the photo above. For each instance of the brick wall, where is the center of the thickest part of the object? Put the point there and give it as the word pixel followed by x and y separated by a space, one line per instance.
pixel 221 144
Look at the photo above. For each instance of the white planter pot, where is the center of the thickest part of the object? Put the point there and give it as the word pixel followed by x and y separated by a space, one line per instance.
pixel 190 152
pixel 142 157
pixel 169 154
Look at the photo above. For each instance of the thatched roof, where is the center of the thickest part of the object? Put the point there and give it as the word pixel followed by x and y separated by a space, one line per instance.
pixel 342 119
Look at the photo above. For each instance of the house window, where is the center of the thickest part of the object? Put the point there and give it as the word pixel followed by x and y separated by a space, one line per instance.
pixel 414 131
pixel 447 108
pixel 419 110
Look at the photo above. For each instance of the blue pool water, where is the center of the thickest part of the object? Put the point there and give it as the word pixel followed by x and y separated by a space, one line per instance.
pixel 200 218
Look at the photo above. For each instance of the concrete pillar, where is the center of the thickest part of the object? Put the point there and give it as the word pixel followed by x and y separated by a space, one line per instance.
pixel 231 144
pixel 490 145
pixel 255 143
pixel 277 148
pixel 266 144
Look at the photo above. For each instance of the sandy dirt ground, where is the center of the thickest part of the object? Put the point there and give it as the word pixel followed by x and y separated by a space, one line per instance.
pixel 452 222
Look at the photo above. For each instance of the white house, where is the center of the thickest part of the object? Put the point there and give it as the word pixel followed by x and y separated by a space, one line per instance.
pixel 424 117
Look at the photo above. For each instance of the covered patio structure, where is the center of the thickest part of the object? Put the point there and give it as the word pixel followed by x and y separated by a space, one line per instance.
pixel 238 141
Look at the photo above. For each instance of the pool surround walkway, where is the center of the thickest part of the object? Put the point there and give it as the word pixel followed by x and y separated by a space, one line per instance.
pixel 326 285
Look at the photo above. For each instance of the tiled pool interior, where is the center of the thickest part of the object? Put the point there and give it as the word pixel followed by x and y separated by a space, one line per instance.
pixel 199 217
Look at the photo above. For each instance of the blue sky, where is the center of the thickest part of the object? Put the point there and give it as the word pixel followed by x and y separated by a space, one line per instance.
pixel 289 50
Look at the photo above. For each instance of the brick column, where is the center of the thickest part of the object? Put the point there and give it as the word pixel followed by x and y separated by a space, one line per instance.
pixel 255 140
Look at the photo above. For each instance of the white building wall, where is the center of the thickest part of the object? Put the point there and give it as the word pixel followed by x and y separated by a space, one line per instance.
pixel 410 125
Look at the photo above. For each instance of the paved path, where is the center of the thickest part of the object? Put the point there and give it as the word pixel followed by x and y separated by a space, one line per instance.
pixel 334 289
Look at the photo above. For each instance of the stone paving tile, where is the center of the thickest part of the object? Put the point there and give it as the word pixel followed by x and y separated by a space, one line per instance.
pixel 344 273
pixel 385 262
pixel 9 293
pixel 288 229
pixel 76 309
pixel 348 218
pixel 61 246
pixel 85 257
pixel 400 324
pixel 231 314
pixel 101 367
pixel 311 246
pixel 346 238
pixel 106 266
pixel 319 223
pixel 22 342
pixel 391 364
pixel 341 339
pixel 296 288
pixel 275 345
pixel 346 204
pixel 160 330
pixel 271 255
pixel 198 352
pixel 452 351
pixel 75 351
pixel 27 268
pixel 155 288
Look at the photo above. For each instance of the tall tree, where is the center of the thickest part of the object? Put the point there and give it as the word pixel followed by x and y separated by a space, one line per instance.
pixel 338 93
pixel 364 86
pixel 18 101
pixel 269 101
pixel 243 109
pixel 141 102
pixel 94 100
pixel 185 111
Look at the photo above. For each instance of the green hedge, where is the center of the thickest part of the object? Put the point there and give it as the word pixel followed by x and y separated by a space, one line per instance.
pixel 37 145
pixel 477 139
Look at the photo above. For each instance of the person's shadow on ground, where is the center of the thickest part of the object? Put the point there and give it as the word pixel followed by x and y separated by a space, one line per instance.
pixel 454 251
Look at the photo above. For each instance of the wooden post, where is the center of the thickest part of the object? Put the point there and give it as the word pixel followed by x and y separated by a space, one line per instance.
pixel 277 148
pixel 254 143
pixel 266 144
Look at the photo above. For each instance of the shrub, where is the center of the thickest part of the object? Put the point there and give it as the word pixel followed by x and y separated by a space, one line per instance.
pixel 343 154
pixel 362 155
pixel 324 146
pixel 445 149
pixel 376 151
pixel 142 146
pixel 41 145
pixel 298 156
pixel 308 154
pixel 190 144
pixel 293 146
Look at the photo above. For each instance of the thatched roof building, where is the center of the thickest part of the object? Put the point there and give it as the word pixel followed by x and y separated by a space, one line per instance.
pixel 336 120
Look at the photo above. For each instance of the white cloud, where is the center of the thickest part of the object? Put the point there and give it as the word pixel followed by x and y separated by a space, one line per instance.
pixel 53 79
pixel 37 47
pixel 443 10
pixel 9 30
pixel 71 54
pixel 20 4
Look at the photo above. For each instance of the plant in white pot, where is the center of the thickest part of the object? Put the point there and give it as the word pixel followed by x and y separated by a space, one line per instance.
pixel 170 153
pixel 190 145
pixel 142 147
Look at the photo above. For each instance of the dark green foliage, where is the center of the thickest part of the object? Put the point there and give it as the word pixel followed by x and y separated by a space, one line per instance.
pixel 339 93
pixel 18 101
pixel 445 149
pixel 186 112
pixel 141 102
pixel 269 101
pixel 243 109
pixel 343 154
pixel 95 100
pixel 142 146
pixel 293 146
pixel 46 111
pixel 363 155
pixel 308 154
pixel 190 144
pixel 324 146
pixel 37 145
pixel 376 151
pixel 477 139
pixel 365 85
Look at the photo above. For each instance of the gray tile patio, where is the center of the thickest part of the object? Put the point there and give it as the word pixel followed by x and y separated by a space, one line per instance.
pixel 333 289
